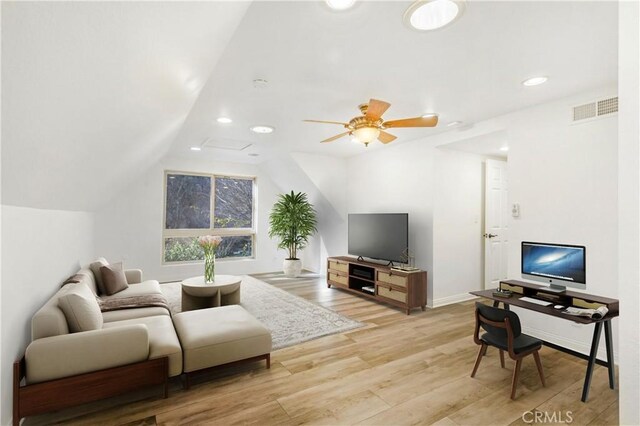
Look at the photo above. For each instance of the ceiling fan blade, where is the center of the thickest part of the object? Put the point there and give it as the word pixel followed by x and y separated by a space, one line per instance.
pixel 335 137
pixel 385 137
pixel 376 108
pixel 412 122
pixel 328 122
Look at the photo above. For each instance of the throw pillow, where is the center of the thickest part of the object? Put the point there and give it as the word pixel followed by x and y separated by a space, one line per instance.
pixel 95 268
pixel 81 309
pixel 113 279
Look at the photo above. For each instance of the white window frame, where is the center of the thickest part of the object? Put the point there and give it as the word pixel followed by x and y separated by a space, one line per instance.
pixel 223 232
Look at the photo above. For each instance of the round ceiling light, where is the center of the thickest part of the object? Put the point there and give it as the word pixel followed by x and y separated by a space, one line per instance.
pixel 224 120
pixel 340 4
pixel 262 129
pixel 429 15
pixel 535 81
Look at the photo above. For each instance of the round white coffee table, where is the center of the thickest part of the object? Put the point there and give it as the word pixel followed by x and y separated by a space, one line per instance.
pixel 224 290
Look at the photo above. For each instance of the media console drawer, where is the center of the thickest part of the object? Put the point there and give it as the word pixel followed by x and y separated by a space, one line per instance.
pixel 398 280
pixel 338 278
pixel 338 266
pixel 389 293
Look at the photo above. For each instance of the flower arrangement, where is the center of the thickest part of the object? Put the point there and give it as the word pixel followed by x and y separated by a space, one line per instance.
pixel 209 244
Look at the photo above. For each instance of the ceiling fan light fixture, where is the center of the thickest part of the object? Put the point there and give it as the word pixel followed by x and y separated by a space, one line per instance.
pixel 340 4
pixel 366 135
pixel 429 15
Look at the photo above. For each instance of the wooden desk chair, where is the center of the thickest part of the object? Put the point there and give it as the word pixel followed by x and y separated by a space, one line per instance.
pixel 503 332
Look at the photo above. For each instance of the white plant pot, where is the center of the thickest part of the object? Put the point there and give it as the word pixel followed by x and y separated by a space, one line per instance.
pixel 292 267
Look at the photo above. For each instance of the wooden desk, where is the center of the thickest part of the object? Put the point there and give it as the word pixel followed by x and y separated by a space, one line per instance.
pixel 568 298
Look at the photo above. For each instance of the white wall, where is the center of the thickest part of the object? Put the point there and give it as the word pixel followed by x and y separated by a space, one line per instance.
pixel 629 212
pixel 40 249
pixel 458 223
pixel 329 176
pixel 129 227
pixel 565 179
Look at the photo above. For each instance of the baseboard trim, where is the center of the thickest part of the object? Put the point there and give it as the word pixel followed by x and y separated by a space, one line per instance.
pixel 450 300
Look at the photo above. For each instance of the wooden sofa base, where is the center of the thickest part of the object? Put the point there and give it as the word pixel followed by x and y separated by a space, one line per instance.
pixel 187 376
pixel 39 398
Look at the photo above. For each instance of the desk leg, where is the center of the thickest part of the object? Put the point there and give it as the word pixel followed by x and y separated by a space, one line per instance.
pixel 608 337
pixel 592 360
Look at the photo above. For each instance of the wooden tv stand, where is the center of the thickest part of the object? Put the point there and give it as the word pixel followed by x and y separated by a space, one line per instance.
pixel 404 289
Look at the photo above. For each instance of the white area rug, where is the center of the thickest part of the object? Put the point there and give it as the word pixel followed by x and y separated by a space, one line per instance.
pixel 291 319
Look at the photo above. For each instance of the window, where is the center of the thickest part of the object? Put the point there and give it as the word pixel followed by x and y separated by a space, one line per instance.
pixel 198 204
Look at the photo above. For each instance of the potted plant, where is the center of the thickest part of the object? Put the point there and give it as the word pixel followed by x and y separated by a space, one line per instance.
pixel 292 221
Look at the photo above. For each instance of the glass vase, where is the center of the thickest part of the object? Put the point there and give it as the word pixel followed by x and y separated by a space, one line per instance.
pixel 209 267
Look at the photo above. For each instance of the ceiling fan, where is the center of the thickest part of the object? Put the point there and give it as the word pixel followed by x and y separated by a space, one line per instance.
pixel 370 125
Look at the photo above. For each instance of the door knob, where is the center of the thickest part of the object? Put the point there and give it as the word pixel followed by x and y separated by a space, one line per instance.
pixel 490 235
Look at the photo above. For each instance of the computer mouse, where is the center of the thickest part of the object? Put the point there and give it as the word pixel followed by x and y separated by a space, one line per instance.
pixel 559 307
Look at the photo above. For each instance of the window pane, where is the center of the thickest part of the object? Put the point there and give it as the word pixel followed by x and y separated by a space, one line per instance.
pixel 188 204
pixel 187 249
pixel 238 246
pixel 234 203
pixel 182 250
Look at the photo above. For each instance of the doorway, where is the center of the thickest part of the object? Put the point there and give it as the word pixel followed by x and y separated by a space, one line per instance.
pixel 496 223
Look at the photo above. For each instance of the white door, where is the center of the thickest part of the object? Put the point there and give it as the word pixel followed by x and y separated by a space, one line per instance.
pixel 496 236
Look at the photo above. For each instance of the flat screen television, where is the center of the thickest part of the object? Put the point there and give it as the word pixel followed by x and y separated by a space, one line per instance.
pixel 558 265
pixel 382 236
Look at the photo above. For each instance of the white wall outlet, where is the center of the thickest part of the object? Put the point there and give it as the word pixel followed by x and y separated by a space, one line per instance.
pixel 515 210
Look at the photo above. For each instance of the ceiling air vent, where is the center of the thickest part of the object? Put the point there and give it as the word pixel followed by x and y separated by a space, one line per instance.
pixel 595 109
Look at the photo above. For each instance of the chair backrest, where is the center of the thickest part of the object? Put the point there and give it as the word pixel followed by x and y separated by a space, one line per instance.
pixel 492 320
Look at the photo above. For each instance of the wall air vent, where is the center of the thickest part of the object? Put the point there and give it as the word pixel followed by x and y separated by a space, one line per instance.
pixel 593 110
pixel 607 106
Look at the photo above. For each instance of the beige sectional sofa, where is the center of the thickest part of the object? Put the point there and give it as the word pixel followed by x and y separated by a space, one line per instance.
pixel 79 354
pixel 126 336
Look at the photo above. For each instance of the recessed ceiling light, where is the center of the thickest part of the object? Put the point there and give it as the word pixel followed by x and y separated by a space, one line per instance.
pixel 196 148
pixel 224 120
pixel 429 15
pixel 340 4
pixel 261 129
pixel 504 148
pixel 429 115
pixel 454 123
pixel 534 81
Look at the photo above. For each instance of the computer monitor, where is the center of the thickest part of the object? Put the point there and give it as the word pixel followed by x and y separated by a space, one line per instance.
pixel 558 265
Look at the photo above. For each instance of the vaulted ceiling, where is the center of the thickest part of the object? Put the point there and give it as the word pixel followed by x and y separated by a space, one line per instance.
pixel 94 92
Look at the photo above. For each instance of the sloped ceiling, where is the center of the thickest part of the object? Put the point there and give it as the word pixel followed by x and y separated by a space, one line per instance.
pixel 93 92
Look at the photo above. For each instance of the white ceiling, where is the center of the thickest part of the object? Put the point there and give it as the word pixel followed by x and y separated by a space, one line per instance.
pixel 95 92
pixel 488 144
pixel 321 64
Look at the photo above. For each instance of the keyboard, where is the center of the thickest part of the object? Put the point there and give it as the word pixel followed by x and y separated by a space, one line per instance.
pixel 536 301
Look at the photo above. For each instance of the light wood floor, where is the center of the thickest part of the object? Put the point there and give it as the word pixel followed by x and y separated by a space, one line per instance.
pixel 398 370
